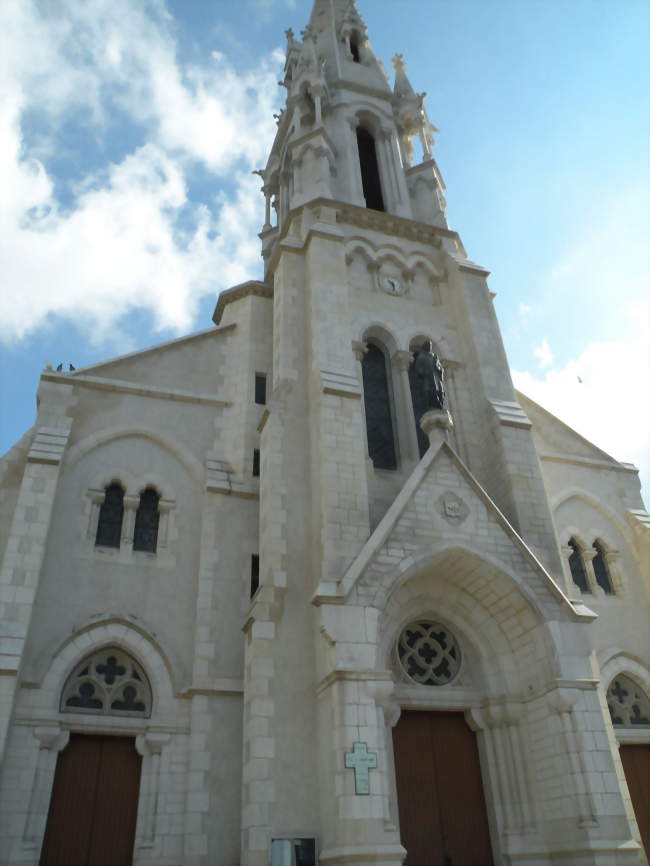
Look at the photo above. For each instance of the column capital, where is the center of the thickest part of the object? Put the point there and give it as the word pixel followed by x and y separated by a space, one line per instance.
pixel 131 502
pixel 359 347
pixel 51 737
pixel 403 359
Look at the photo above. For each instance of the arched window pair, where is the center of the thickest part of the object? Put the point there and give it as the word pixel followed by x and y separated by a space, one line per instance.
pixel 378 404
pixel 599 564
pixel 111 516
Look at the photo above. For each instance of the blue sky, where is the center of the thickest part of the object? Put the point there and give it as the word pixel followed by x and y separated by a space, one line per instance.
pixel 129 129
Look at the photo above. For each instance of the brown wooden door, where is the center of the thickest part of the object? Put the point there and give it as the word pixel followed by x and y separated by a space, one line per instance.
pixel 442 815
pixel 636 763
pixel 94 804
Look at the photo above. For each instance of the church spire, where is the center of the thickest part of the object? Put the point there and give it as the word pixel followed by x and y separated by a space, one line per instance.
pixel 344 133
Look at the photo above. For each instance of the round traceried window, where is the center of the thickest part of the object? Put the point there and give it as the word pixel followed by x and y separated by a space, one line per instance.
pixel 429 653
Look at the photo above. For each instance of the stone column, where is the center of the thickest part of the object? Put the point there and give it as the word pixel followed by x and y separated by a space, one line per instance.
pixel 354 166
pixel 150 746
pixel 588 555
pixel 360 350
pixel 51 740
pixel 513 783
pixel 571 589
pixel 97 498
pixel 403 361
pixel 384 159
pixel 562 701
pixel 131 504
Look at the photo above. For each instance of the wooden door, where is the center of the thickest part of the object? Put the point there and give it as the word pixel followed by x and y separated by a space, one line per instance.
pixel 636 763
pixel 442 815
pixel 94 804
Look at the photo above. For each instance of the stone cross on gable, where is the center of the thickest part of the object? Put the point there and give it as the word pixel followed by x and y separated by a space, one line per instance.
pixel 361 761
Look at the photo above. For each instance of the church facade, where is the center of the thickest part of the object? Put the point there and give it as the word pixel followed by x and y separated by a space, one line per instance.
pixel 316 585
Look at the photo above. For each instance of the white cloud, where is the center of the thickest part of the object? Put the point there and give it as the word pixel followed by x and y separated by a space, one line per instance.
pixel 603 394
pixel 525 310
pixel 543 354
pixel 119 246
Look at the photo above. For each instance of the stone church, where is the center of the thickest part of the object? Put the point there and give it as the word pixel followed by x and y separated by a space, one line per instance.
pixel 316 585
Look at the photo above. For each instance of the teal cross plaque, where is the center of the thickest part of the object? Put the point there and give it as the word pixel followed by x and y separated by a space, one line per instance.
pixel 361 761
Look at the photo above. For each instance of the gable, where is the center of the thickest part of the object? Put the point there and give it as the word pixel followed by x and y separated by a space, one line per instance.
pixel 442 511
pixel 191 363
pixel 553 436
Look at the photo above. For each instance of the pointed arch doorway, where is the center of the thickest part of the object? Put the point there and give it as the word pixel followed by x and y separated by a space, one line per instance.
pixel 94 804
pixel 442 814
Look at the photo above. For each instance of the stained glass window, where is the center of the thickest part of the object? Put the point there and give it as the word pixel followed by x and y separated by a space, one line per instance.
pixel 379 423
pixel 109 682
pixel 628 703
pixel 577 566
pixel 145 535
pixel 601 570
pixel 111 513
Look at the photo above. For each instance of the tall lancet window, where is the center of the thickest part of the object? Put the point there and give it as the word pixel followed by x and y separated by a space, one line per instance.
pixel 601 572
pixel 379 422
pixel 111 514
pixel 369 170
pixel 354 48
pixel 145 535
pixel 577 567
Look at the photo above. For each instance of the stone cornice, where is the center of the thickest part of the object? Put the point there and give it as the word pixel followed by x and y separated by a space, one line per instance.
pixel 363 217
pixel 590 462
pixel 124 387
pixel 209 332
pixel 243 290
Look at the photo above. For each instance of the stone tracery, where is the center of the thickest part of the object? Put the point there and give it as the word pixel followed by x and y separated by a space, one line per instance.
pixel 109 682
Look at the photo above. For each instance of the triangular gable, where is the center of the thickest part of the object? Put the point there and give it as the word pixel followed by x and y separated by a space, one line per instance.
pixel 195 359
pixel 553 436
pixel 442 502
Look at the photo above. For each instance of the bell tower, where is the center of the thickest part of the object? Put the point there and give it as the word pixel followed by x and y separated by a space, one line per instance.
pixel 365 271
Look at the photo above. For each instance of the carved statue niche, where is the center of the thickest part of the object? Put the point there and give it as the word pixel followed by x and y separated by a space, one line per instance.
pixel 430 377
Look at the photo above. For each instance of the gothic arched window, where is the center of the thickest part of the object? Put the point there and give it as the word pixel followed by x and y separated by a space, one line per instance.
pixel 369 170
pixel 354 48
pixel 109 683
pixel 577 566
pixel 111 513
pixel 628 703
pixel 145 534
pixel 379 421
pixel 601 571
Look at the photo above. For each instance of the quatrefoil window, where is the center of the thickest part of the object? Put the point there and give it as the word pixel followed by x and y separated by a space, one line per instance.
pixel 429 653
pixel 109 683
pixel 628 704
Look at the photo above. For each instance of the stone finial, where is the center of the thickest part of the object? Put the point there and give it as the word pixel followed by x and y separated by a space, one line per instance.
pixel 403 86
